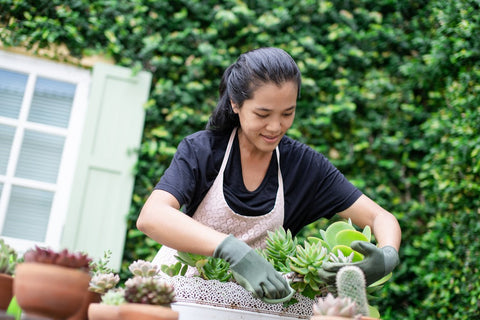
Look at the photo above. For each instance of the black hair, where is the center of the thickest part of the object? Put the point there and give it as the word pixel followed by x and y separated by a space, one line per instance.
pixel 240 80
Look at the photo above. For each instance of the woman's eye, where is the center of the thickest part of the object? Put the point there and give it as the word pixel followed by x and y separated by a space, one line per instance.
pixel 261 115
pixel 288 114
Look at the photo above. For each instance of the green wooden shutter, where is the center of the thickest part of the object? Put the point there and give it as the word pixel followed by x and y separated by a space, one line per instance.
pixel 103 183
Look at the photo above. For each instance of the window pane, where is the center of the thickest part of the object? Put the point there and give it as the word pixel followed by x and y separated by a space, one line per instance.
pixel 6 138
pixel 52 102
pixel 27 214
pixel 40 156
pixel 12 88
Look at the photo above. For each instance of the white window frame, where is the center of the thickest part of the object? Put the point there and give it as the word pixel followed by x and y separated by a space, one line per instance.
pixel 38 67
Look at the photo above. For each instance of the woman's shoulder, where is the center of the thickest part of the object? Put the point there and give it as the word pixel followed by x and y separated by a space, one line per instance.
pixel 292 148
pixel 296 155
pixel 206 140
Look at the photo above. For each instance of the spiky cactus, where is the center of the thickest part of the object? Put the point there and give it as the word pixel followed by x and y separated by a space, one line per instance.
pixel 102 282
pixel 279 246
pixel 335 306
pixel 8 258
pixel 306 263
pixel 149 290
pixel 351 283
pixel 143 268
pixel 114 297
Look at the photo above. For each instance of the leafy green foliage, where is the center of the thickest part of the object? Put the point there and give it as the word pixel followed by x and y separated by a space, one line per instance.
pixel 390 94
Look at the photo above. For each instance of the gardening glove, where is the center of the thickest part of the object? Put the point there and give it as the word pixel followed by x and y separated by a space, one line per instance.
pixel 377 262
pixel 253 272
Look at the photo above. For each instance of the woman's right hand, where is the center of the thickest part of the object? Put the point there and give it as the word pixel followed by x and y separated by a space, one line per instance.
pixel 253 272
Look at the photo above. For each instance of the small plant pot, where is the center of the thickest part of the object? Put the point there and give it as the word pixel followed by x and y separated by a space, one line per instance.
pixel 100 311
pixel 6 290
pixel 49 290
pixel 138 311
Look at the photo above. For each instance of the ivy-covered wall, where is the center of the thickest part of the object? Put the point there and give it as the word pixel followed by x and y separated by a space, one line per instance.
pixel 391 94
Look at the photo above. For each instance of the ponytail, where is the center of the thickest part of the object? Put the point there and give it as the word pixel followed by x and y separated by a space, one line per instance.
pixel 223 118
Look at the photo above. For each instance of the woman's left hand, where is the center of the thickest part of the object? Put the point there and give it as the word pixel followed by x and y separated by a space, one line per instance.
pixel 377 262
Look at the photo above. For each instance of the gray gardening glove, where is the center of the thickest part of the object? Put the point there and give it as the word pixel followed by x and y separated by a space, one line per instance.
pixel 377 262
pixel 253 272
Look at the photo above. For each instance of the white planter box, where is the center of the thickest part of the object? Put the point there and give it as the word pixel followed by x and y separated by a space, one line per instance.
pixel 192 311
pixel 211 299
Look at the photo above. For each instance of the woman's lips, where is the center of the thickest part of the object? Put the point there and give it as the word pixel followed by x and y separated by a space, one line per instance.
pixel 270 139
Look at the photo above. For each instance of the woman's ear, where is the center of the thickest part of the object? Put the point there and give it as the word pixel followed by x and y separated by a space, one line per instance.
pixel 234 106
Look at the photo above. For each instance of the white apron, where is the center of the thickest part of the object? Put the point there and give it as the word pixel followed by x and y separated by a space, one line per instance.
pixel 214 212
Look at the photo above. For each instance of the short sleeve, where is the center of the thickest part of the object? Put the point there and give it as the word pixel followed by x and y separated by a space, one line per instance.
pixel 180 178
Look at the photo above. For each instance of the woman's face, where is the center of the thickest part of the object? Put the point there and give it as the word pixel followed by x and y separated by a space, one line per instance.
pixel 266 117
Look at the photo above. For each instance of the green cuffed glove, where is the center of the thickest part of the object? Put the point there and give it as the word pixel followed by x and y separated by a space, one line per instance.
pixel 253 272
pixel 377 262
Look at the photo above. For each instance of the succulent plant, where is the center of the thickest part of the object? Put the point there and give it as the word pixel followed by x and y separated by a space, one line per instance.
pixel 114 297
pixel 306 263
pixel 143 268
pixel 174 269
pixel 8 258
pixel 209 268
pixel 335 306
pixel 340 257
pixel 217 269
pixel 100 265
pixel 65 258
pixel 350 282
pixel 280 245
pixel 149 290
pixel 102 282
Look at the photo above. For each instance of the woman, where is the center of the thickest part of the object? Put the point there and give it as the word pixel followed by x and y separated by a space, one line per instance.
pixel 242 176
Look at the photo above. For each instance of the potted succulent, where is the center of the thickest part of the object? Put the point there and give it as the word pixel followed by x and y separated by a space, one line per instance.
pixel 351 302
pixel 108 308
pixel 8 261
pixel 102 280
pixel 47 277
pixel 145 296
pixel 298 263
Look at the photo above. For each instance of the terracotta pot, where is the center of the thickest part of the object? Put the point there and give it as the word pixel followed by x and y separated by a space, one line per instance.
pixel 6 290
pixel 82 313
pixel 137 311
pixel 100 311
pixel 49 290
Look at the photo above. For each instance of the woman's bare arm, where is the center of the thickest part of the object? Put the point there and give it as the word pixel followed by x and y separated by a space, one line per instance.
pixel 161 220
pixel 384 225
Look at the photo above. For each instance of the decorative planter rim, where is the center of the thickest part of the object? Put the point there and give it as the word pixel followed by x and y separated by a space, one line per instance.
pixel 231 296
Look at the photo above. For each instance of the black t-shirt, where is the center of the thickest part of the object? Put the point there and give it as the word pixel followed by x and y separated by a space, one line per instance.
pixel 313 187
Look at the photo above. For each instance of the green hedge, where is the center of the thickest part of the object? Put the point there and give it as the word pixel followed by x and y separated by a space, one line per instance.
pixel 390 94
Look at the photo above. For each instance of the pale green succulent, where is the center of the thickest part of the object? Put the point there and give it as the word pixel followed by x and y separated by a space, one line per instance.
pixel 209 268
pixel 306 263
pixel 335 306
pixel 114 297
pixel 340 257
pixel 143 268
pixel 8 258
pixel 280 245
pixel 102 282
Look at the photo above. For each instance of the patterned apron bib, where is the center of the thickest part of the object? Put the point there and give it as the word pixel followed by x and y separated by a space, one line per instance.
pixel 214 212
